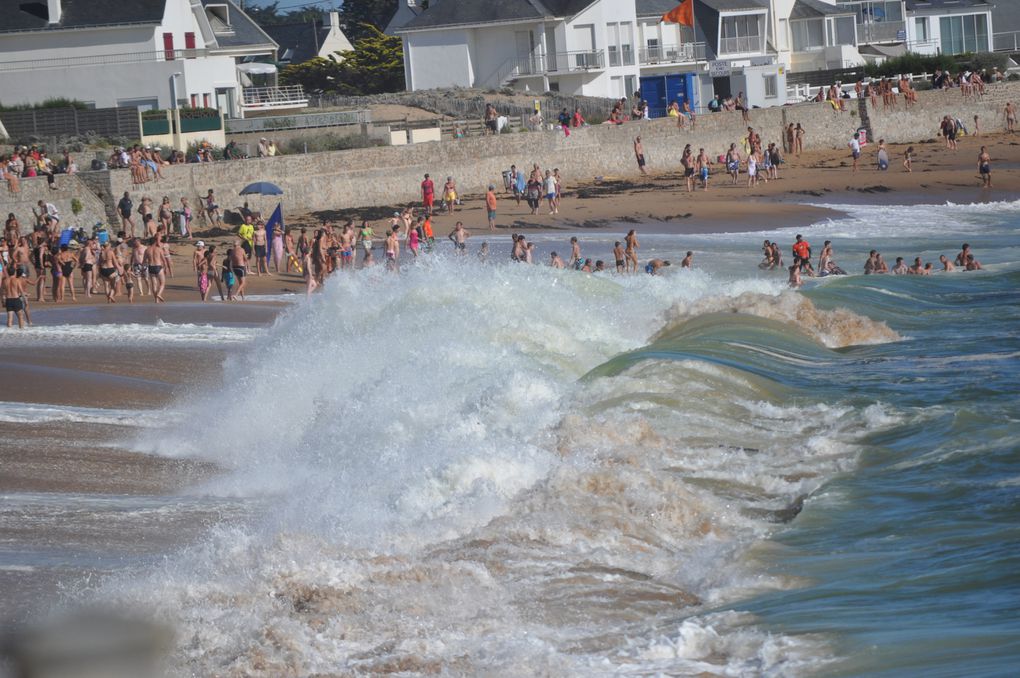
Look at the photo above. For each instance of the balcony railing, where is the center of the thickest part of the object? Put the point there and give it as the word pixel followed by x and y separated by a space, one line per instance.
pixel 102 59
pixel 561 62
pixel 688 52
pixel 748 44
pixel 1006 42
pixel 881 31
pixel 268 98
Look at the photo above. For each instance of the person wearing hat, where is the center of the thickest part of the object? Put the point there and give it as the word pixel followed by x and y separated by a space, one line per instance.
pixel 490 206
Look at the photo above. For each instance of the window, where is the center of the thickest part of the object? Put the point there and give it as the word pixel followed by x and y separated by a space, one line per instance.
pixel 629 85
pixel 964 33
pixel 921 29
pixel 783 37
pixel 627 43
pixel 771 86
pixel 740 34
pixel 808 35
pixel 845 34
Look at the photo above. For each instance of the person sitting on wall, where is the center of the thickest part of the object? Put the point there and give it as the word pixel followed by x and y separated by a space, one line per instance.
pixel 713 105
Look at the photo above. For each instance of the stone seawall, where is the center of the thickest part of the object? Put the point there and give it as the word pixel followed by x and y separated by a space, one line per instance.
pixel 67 188
pixel 391 175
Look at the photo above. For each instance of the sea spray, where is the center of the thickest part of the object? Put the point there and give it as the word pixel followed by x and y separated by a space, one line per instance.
pixel 446 493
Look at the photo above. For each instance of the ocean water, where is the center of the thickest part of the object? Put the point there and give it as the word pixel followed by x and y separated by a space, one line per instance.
pixel 494 469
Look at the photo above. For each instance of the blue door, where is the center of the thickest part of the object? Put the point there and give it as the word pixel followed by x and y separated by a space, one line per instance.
pixel 680 88
pixel 653 90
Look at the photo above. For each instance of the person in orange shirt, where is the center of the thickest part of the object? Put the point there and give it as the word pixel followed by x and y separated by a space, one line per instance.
pixel 801 248
pixel 490 205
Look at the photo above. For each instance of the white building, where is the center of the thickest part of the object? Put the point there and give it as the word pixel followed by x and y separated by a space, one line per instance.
pixel 577 46
pixel 887 28
pixel 814 35
pixel 603 48
pixel 144 53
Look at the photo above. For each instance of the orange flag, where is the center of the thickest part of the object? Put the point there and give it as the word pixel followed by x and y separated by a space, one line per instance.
pixel 681 14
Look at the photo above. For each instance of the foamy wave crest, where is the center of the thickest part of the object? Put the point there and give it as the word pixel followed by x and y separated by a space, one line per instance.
pixel 447 495
pixel 835 329
pixel 134 333
pixel 27 413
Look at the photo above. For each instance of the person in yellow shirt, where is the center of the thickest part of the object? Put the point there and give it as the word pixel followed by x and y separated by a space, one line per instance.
pixel 246 232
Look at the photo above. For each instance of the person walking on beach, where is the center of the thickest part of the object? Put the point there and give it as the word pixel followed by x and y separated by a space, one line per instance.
pixel 687 161
pixel 13 288
pixel 1010 113
pixel 490 206
pixel 798 140
pixel 703 165
pixel 550 192
pixel 155 260
pixel 631 251
pixel 428 194
pixel 239 267
pixel 111 271
pixel 124 207
pixel 985 168
pixel 855 150
pixel 733 162
pixel 639 154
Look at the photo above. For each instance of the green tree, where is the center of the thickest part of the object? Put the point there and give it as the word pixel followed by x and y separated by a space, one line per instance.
pixel 374 66
pixel 270 15
pixel 357 16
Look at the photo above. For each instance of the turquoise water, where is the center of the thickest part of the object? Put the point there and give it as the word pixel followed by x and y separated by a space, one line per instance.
pixel 910 562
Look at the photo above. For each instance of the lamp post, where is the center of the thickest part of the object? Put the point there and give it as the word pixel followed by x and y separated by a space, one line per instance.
pixel 173 87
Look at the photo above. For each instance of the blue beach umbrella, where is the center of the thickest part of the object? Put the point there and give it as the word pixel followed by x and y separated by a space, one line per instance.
pixel 262 188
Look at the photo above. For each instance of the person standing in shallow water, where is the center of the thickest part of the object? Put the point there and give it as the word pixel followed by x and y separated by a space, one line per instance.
pixel 631 251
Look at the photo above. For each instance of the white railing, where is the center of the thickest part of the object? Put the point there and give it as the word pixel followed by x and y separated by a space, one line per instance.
pixel 1006 42
pixel 102 59
pixel 561 62
pixel 265 98
pixel 747 44
pixel 673 54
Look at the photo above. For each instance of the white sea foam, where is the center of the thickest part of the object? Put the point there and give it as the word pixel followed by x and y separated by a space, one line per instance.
pixel 159 333
pixel 433 462
pixel 29 413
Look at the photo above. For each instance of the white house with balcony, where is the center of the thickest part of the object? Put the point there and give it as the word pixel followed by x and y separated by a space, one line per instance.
pixel 889 28
pixel 815 35
pixel 949 26
pixel 142 53
pixel 575 46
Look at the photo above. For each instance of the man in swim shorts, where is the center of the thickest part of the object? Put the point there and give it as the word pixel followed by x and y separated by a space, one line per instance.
pixel 459 238
pixel 985 167
pixel 13 289
pixel 155 261
pixel 239 267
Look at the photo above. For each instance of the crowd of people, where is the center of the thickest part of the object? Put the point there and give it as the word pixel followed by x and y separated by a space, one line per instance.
pixel 801 266
pixel 34 161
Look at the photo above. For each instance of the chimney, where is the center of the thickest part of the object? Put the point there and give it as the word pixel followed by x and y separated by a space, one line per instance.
pixel 334 20
pixel 55 11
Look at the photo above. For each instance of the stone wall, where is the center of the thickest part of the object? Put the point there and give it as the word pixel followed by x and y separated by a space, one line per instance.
pixel 391 175
pixel 68 187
